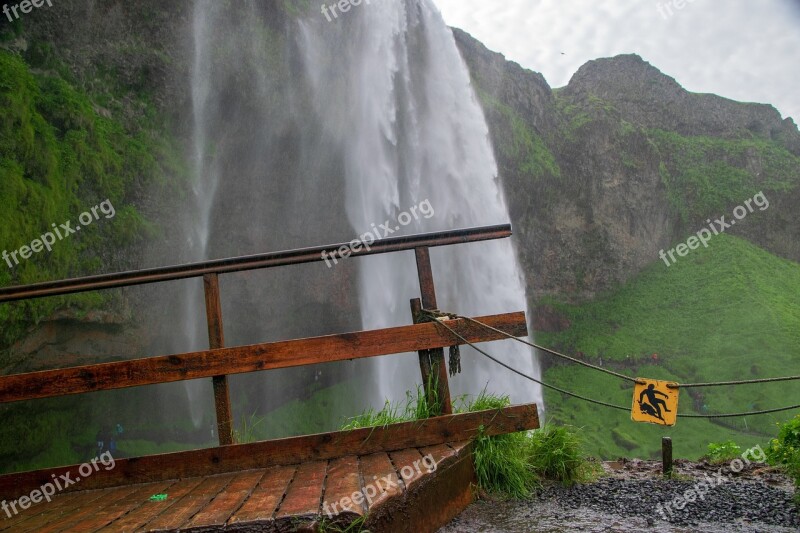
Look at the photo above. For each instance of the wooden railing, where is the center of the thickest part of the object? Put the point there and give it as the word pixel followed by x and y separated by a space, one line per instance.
pixel 218 362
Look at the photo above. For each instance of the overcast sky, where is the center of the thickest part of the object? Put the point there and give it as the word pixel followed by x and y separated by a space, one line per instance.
pixel 747 50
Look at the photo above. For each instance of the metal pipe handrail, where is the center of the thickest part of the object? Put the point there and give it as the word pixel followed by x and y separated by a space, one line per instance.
pixel 250 262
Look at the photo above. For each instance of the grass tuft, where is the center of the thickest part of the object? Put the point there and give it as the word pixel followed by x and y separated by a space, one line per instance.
pixel 502 462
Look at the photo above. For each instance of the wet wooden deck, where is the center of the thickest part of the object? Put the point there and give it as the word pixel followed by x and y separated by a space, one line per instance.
pixel 416 489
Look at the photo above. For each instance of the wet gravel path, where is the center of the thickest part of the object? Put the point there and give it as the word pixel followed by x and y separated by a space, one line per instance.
pixel 633 497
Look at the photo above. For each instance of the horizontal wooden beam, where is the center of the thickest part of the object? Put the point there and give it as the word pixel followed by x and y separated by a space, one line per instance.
pixel 295 450
pixel 254 358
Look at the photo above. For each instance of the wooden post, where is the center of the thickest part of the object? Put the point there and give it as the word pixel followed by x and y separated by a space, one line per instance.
pixel 666 456
pixel 431 362
pixel 216 339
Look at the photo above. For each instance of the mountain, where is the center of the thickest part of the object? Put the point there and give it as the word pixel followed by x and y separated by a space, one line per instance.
pixel 623 162
pixel 600 177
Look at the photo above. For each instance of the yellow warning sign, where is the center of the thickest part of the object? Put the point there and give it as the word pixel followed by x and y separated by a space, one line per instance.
pixel 655 402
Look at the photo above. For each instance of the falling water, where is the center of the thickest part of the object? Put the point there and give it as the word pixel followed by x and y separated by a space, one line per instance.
pixel 391 86
pixel 309 132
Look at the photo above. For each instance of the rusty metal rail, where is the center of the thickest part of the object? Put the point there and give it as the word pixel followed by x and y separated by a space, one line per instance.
pixel 249 262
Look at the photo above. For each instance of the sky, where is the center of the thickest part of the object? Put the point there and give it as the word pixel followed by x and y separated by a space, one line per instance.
pixel 747 50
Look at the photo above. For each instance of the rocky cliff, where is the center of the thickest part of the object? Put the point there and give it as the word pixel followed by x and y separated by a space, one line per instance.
pixel 623 162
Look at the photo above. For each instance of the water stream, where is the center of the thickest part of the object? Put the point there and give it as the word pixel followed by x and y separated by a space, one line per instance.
pixel 319 132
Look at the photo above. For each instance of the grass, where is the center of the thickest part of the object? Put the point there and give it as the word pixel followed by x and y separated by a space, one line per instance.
pixel 723 313
pixel 246 432
pixel 510 465
pixel 356 526
pixel 503 462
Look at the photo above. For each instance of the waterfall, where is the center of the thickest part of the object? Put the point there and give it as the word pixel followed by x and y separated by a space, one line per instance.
pixel 390 85
pixel 309 132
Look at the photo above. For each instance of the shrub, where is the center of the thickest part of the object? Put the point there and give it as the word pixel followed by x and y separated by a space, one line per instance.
pixel 723 452
pixel 785 450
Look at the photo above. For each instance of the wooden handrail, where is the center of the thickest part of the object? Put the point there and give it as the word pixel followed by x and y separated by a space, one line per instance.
pixel 218 362
pixel 254 358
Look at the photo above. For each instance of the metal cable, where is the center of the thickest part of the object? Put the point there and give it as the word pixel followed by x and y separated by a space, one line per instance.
pixel 501 363
pixel 679 385
pixel 435 315
pixel 740 382
pixel 542 348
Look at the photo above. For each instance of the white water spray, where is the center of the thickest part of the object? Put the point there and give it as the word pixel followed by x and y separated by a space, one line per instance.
pixel 391 86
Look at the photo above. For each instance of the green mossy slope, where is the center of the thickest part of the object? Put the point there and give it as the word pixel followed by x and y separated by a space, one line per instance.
pixel 728 312
pixel 60 155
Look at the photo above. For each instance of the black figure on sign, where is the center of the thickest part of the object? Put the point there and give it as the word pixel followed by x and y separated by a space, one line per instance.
pixel 654 403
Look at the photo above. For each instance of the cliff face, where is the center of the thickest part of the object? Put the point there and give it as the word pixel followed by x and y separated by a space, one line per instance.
pixel 623 162
pixel 600 175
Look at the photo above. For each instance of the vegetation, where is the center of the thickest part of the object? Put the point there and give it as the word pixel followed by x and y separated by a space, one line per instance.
pixel 706 175
pixel 784 451
pixel 723 452
pixel 510 465
pixel 503 462
pixel 61 153
pixel 246 432
pixel 723 313
pixel 518 142
pixel 327 525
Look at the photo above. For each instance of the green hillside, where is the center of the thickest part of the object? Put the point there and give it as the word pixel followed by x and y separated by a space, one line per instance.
pixel 724 313
pixel 63 151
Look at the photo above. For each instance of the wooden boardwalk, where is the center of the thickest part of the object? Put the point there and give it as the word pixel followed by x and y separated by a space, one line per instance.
pixel 395 491
pixel 306 483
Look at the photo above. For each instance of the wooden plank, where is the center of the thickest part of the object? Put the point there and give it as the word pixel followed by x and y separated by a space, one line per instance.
pixel 150 509
pixel 179 513
pixel 431 361
pixel 289 451
pixel 408 464
pixel 431 503
pixel 59 513
pixel 104 516
pixel 263 502
pixel 216 514
pixel 56 505
pixel 304 495
pixel 79 513
pixel 458 446
pixel 242 359
pixel 436 455
pixel 344 480
pixel 381 482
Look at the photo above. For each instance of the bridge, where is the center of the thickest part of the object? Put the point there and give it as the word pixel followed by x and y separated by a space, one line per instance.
pixel 411 476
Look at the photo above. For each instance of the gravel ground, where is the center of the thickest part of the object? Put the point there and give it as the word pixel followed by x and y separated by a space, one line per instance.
pixel 632 496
